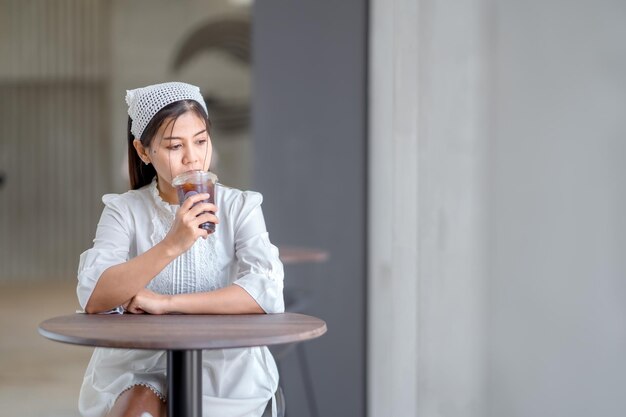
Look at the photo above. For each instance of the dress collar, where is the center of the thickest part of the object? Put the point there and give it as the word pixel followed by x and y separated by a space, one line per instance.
pixel 154 191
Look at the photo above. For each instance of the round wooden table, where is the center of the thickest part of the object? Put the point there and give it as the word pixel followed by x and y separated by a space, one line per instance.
pixel 299 255
pixel 184 337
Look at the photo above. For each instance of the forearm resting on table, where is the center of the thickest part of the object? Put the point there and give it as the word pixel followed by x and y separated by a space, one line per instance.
pixel 228 300
pixel 119 283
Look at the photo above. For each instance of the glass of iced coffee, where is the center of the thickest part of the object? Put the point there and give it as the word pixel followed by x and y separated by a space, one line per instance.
pixel 197 182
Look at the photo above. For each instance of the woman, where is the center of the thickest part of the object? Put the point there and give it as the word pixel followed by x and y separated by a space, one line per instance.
pixel 151 256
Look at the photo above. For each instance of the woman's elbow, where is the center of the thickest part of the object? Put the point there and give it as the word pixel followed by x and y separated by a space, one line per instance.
pixel 276 308
pixel 90 308
pixel 95 307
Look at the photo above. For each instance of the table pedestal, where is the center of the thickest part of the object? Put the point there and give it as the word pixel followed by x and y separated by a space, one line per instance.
pixel 184 383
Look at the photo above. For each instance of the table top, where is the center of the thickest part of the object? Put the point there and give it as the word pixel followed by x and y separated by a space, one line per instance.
pixel 182 331
pixel 297 255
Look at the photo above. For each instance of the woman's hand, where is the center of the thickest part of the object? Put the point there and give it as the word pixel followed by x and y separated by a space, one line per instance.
pixel 149 302
pixel 185 229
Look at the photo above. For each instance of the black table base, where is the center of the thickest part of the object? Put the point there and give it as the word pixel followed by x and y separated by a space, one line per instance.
pixel 184 383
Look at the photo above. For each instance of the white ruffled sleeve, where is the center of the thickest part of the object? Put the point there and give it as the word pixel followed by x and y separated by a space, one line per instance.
pixel 259 270
pixel 110 247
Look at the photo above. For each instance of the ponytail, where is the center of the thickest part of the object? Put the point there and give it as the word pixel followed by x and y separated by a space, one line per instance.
pixel 140 174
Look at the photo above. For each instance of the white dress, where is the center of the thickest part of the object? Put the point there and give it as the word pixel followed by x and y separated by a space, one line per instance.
pixel 235 382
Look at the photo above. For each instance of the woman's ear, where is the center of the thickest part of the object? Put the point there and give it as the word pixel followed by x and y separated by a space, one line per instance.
pixel 141 151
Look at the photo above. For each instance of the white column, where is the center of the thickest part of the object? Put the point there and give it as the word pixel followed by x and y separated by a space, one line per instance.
pixel 427 238
pixel 393 232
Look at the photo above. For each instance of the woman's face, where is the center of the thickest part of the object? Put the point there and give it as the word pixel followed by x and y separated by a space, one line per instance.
pixel 180 146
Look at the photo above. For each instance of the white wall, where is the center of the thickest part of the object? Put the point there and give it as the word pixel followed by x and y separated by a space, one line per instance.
pixel 558 270
pixel 427 238
pixel 511 300
pixel 392 215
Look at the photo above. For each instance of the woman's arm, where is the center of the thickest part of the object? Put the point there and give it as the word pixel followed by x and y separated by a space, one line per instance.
pixel 257 287
pixel 119 283
pixel 114 287
pixel 228 300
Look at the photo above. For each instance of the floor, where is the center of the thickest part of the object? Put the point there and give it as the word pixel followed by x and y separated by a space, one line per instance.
pixel 38 377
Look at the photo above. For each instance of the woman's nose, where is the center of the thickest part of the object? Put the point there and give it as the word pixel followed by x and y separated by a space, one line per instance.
pixel 189 157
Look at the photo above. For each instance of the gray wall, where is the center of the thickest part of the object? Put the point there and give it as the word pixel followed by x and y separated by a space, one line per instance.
pixel 309 142
pixel 557 328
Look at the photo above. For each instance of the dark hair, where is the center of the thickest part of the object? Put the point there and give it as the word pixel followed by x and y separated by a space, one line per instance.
pixel 139 173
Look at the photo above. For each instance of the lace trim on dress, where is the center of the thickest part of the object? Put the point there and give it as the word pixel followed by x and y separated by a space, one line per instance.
pixel 210 268
pixel 165 214
pixel 194 271
pixel 144 384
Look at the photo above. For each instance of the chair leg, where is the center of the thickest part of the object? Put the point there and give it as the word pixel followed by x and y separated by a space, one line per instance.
pixel 279 398
pixel 308 380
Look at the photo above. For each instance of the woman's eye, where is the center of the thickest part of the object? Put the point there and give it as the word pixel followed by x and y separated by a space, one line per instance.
pixel 202 141
pixel 174 147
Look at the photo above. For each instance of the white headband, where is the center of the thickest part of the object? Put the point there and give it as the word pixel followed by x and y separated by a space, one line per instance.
pixel 144 103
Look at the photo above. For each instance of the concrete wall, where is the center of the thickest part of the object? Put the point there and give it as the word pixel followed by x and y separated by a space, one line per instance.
pixel 558 272
pixel 309 147
pixel 427 267
pixel 512 113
